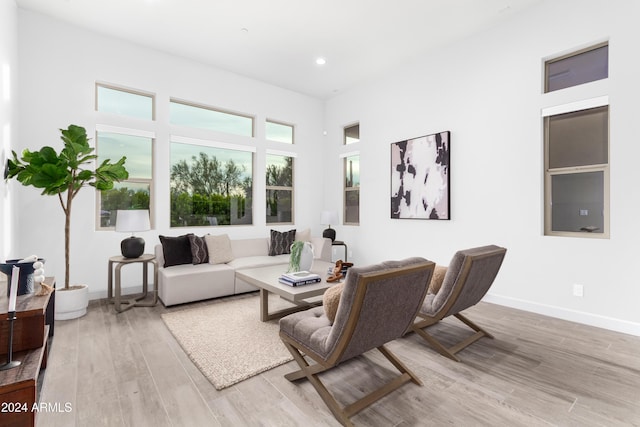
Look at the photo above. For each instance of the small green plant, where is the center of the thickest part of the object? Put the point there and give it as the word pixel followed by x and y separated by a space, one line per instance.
pixel 65 172
pixel 294 259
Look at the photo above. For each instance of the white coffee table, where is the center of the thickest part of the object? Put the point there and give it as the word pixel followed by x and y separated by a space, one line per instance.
pixel 266 279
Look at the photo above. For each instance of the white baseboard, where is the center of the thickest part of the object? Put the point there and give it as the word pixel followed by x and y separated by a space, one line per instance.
pixel 590 319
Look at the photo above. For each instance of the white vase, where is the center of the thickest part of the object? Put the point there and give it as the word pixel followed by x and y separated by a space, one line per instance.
pixel 306 257
pixel 71 303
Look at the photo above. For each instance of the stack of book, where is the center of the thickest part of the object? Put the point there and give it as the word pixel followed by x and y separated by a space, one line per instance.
pixel 299 278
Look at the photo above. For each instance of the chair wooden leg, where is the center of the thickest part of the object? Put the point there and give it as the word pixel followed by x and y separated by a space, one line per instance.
pixel 343 414
pixel 398 364
pixel 450 352
pixel 472 325
pixel 436 345
pixel 311 373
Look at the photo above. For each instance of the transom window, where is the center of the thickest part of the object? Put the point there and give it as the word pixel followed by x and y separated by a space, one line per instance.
pixel 124 102
pixel 280 132
pixel 580 67
pixel 352 134
pixel 197 116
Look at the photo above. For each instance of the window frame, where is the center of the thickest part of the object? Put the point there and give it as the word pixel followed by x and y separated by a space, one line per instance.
pixel 346 189
pixel 135 180
pixel 281 123
pixel 209 143
pixel 282 188
pixel 344 133
pixel 129 91
pixel 216 110
pixel 550 172
pixel 552 60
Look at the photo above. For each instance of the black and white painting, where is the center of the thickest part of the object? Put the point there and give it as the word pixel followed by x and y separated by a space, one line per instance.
pixel 420 177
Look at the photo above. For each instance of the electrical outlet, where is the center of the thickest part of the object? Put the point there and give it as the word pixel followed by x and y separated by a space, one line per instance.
pixel 584 212
pixel 578 290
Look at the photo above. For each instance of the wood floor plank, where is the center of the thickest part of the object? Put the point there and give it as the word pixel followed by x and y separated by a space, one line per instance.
pixel 181 399
pixel 127 369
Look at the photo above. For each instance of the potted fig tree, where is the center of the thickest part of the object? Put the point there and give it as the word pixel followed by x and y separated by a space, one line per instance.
pixel 63 174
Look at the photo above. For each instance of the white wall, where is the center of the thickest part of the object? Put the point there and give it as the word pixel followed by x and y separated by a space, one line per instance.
pixel 487 90
pixel 59 67
pixel 8 117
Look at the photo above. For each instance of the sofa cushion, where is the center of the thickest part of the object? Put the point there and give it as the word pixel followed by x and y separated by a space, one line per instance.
pixel 250 247
pixel 281 242
pixel 219 248
pixel 259 261
pixel 176 250
pixel 199 251
pixel 303 235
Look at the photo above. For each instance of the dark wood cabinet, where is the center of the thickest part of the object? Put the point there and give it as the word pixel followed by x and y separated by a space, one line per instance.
pixel 32 333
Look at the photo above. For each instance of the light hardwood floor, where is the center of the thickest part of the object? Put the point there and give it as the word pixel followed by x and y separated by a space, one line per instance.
pixel 128 370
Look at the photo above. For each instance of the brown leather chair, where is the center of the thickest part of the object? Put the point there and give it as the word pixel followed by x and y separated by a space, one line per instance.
pixel 378 304
pixel 469 276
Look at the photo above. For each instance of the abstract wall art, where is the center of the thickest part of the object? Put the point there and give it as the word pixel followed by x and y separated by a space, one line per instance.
pixel 420 177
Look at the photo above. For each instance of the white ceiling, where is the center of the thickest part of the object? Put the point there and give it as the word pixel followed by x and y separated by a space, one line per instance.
pixel 277 41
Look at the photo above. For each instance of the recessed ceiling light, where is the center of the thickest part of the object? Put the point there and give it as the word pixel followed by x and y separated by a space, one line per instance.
pixel 321 61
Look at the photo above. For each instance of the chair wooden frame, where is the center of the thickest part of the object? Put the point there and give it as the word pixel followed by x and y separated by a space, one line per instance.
pixel 311 372
pixel 427 320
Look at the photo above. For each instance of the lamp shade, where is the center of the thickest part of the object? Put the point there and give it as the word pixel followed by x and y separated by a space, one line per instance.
pixel 132 220
pixel 329 217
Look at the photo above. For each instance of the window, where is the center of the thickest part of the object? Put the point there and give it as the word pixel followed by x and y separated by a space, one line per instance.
pixel 279 179
pixel 124 102
pixel 352 134
pixel 279 132
pixel 352 189
pixel 211 183
pixel 135 192
pixel 585 66
pixel 577 172
pixel 185 114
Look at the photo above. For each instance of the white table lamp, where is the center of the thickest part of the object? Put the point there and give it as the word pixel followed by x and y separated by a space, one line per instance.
pixel 130 221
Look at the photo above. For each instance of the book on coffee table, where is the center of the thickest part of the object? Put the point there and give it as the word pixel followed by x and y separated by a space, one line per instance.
pixel 299 278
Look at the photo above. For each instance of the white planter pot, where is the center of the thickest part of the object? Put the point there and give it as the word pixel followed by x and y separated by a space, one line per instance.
pixel 71 303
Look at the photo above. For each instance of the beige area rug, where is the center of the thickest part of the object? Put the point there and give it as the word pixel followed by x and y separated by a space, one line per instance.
pixel 227 341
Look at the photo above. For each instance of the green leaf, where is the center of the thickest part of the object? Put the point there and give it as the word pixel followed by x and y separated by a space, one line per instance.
pixel 85 175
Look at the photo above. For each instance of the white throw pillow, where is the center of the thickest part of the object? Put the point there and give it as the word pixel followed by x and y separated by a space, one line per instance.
pixel 219 248
pixel 304 235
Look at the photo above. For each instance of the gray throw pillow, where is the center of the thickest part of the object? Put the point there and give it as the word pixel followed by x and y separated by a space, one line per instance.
pixel 199 251
pixel 280 243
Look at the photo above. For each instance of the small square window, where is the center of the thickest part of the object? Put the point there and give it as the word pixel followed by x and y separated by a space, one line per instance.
pixel 124 102
pixel 352 134
pixel 578 68
pixel 279 132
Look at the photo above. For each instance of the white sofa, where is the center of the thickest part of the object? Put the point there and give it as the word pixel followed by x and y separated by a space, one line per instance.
pixel 180 284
